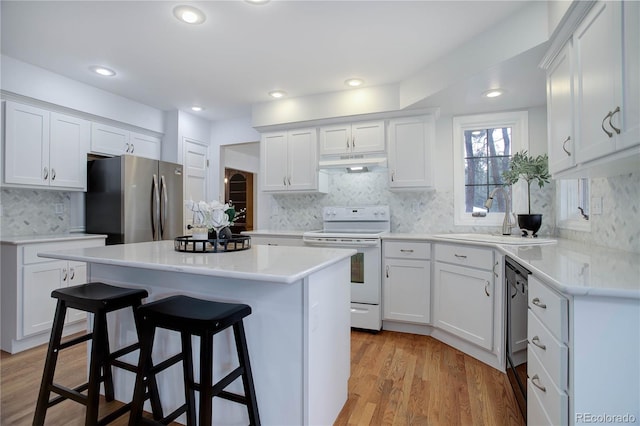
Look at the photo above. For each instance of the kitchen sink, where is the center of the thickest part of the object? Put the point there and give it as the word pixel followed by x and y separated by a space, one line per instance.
pixel 497 239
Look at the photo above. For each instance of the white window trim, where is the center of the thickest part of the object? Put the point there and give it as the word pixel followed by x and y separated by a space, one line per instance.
pixel 519 123
pixel 566 219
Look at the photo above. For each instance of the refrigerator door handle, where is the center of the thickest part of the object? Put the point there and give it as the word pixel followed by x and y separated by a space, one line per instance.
pixel 155 206
pixel 163 211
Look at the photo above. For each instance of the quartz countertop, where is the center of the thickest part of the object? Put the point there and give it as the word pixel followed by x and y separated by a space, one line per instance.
pixel 275 233
pixel 280 264
pixel 34 239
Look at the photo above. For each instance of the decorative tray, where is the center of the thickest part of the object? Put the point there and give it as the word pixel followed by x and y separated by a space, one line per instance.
pixel 237 242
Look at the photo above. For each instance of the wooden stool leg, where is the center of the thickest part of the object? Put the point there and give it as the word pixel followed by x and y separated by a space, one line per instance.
pixel 107 374
pixel 206 378
pixel 50 364
pixel 247 377
pixel 97 361
pixel 146 334
pixel 187 371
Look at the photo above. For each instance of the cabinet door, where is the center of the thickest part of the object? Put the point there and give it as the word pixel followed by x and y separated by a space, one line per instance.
pixel 335 139
pixel 26 145
pixel 410 153
pixel 463 303
pixel 144 146
pixel 76 274
pixel 367 137
pixel 303 159
pixel 109 140
pixel 38 307
pixel 631 84
pixel 560 111
pixel 406 290
pixel 597 45
pixel 69 143
pixel 273 147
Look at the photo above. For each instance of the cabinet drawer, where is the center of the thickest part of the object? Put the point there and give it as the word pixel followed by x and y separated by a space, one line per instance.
pixel 550 307
pixel 553 354
pixel 30 251
pixel 465 255
pixel 407 250
pixel 554 401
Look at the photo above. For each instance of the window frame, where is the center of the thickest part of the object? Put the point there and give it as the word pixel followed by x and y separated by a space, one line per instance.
pixel 519 123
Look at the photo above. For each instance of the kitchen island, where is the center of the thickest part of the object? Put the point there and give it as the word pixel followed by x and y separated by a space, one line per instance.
pixel 298 332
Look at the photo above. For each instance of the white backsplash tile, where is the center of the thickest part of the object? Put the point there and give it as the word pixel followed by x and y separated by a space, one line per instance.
pixel 32 212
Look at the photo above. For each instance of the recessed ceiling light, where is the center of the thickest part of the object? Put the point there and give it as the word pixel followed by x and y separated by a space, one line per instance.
pixel 197 108
pixel 354 82
pixel 277 94
pixel 189 14
pixel 493 93
pixel 103 71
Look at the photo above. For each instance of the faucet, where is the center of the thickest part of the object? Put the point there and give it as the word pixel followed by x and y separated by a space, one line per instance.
pixel 507 223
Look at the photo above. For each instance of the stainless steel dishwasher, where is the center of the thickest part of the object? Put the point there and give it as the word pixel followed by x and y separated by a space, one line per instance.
pixel 517 277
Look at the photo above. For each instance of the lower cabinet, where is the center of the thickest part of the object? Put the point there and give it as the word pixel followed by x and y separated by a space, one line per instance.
pixel 27 282
pixel 406 281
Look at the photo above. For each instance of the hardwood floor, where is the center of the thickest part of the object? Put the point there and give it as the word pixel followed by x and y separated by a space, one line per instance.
pixel 396 379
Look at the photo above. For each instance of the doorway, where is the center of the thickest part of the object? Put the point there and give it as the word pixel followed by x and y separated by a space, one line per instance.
pixel 238 188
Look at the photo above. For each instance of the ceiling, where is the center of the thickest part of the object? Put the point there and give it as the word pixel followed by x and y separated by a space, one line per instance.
pixel 242 51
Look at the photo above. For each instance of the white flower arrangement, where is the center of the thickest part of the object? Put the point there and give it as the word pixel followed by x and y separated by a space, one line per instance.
pixel 214 214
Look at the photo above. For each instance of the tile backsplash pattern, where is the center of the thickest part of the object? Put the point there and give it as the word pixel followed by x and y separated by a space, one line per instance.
pixel 28 212
pixel 431 212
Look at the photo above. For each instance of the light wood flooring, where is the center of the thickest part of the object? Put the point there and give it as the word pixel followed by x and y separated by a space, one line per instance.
pixel 396 379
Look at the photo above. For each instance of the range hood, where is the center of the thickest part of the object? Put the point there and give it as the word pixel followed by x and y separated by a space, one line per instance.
pixel 354 163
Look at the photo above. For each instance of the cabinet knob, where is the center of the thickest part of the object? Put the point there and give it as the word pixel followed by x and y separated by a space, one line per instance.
pixel 564 145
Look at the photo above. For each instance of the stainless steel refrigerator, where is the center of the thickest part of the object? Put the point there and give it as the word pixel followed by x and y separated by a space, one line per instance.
pixel 134 199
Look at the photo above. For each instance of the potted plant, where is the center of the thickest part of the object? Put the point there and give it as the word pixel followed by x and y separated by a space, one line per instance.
pixel 530 169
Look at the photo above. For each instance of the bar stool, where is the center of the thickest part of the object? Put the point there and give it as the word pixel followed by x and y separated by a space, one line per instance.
pixel 203 318
pixel 99 299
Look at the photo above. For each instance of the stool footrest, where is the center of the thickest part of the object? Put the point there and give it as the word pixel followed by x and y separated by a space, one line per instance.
pixel 226 381
pixel 68 393
pixel 75 341
pixel 167 363
pixel 123 351
pixel 240 399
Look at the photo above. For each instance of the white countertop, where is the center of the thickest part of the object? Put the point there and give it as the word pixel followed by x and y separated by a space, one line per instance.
pixel 275 233
pixel 34 239
pixel 280 264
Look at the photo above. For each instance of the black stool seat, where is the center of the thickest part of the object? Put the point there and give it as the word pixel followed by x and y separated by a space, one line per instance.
pixel 190 316
pixel 99 299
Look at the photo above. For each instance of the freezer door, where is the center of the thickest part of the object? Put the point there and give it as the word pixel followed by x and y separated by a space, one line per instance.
pixel 141 199
pixel 171 201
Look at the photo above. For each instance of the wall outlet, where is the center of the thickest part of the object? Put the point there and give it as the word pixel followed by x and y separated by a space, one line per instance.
pixel 596 205
pixel 58 208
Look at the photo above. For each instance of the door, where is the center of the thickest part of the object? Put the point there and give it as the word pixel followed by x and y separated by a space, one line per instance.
pixel 38 306
pixel 335 139
pixel 409 153
pixel 367 137
pixel 76 274
pixel 274 162
pixel 171 200
pixel 109 140
pixel 195 177
pixel 141 189
pixel 69 143
pixel 407 290
pixel 303 160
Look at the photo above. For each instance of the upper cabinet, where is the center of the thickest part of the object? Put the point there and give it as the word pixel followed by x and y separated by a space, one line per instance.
pixel 109 140
pixel 595 75
pixel 409 155
pixel 45 149
pixel 356 138
pixel 290 162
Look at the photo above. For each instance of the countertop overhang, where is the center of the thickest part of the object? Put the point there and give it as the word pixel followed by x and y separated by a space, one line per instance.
pixel 280 264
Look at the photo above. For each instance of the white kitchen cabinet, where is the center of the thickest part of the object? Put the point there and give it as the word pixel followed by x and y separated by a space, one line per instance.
pixel 27 282
pixel 406 281
pixel 144 145
pixel 290 162
pixel 45 149
pixel 409 156
pixel 464 293
pixel 560 113
pixel 352 138
pixel 109 140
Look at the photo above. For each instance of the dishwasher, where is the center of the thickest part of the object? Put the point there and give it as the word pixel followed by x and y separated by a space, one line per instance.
pixel 516 286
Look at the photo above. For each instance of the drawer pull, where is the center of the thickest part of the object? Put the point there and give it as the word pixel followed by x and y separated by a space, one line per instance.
pixel 486 289
pixel 536 341
pixel 602 125
pixel 460 256
pixel 387 269
pixel 537 302
pixel 536 382
pixel 494 269
pixel 406 251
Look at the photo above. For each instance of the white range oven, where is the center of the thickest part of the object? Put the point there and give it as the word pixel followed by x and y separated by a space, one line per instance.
pixel 359 228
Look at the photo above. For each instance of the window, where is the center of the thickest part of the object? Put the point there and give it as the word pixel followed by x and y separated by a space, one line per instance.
pixel 483 145
pixel 572 204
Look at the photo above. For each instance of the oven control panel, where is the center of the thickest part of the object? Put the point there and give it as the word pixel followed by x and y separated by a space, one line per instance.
pixel 356 214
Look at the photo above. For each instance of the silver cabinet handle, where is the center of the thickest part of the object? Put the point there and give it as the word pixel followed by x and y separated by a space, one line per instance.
pixel 536 341
pixel 615 111
pixel 460 256
pixel 515 287
pixel 53 174
pixel 393 176
pixel 126 149
pixel 133 148
pixel 602 124
pixel 564 145
pixel 65 274
pixel 45 174
pixel 406 250
pixel 353 142
pixel 495 274
pixel 536 382
pixel 284 180
pixel 486 289
pixel 73 273
pixel 537 302
pixel 347 142
pixel 387 270
pixel 289 180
